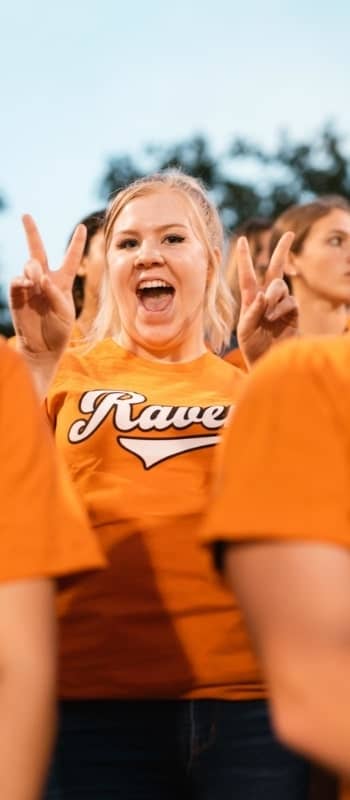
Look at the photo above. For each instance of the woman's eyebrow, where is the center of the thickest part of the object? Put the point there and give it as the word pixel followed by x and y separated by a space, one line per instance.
pixel 170 225
pixel 158 228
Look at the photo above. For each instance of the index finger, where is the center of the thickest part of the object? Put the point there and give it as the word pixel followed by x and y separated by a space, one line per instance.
pixel 246 272
pixel 35 243
pixel 279 256
pixel 74 252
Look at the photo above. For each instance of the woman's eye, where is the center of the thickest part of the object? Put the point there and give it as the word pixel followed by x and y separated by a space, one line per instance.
pixel 174 238
pixel 335 241
pixel 127 243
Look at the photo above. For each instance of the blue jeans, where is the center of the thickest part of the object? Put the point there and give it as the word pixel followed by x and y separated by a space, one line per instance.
pixel 172 750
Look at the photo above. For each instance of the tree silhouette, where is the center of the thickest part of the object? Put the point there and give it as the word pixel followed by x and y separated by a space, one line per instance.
pixel 292 172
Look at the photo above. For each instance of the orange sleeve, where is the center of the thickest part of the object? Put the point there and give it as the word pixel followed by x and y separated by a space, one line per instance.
pixel 285 461
pixel 43 529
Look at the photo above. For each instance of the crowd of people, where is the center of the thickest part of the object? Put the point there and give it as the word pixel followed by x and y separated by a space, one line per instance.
pixel 185 523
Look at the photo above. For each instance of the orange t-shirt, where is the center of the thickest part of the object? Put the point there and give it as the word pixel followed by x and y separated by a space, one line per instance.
pixel 12 341
pixel 44 530
pixel 139 439
pixel 286 456
pixel 77 337
pixel 285 461
pixel 235 357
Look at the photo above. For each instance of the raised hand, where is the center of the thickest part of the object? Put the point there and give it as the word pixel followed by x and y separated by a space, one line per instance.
pixel 41 299
pixel 270 315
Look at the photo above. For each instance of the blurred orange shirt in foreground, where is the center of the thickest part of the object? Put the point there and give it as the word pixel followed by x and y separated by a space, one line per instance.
pixel 44 530
pixel 285 461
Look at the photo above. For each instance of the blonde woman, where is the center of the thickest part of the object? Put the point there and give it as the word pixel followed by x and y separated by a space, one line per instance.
pixel 153 705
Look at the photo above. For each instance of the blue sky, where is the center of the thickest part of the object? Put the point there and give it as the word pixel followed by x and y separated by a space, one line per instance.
pixel 82 80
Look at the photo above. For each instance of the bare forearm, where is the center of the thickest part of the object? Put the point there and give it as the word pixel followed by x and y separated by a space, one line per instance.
pixel 27 686
pixel 310 704
pixel 27 723
pixel 301 632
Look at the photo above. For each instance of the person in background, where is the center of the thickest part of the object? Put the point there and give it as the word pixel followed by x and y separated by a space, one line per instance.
pixel 318 265
pixel 257 231
pixel 279 526
pixel 87 282
pixel 44 535
pixel 153 705
pixel 318 272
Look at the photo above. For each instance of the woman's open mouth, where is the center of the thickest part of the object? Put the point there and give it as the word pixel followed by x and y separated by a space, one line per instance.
pixel 155 295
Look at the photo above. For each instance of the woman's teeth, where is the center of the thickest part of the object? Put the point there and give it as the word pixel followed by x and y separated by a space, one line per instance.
pixel 153 284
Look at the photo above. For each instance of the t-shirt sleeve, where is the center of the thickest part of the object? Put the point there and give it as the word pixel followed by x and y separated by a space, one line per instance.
pixel 43 529
pixel 284 459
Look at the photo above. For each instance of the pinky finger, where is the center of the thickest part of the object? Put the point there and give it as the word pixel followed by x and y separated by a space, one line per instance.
pixel 286 306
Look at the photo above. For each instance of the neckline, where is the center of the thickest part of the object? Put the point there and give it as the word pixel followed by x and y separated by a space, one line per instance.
pixel 183 366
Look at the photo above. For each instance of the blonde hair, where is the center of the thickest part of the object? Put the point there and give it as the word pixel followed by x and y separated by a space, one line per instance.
pixel 218 309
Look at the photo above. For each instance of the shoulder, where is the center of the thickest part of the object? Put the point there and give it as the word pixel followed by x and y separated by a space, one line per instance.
pixel 285 455
pixel 86 355
pixel 225 367
pixel 303 363
pixel 85 360
pixel 218 377
pixel 295 391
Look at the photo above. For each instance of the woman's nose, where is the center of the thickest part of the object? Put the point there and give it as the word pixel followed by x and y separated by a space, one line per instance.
pixel 148 254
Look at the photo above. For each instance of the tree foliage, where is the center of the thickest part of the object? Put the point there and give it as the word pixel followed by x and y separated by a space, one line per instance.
pixel 246 179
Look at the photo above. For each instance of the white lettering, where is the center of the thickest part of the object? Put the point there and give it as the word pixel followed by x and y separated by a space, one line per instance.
pixel 153 451
pixel 100 403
